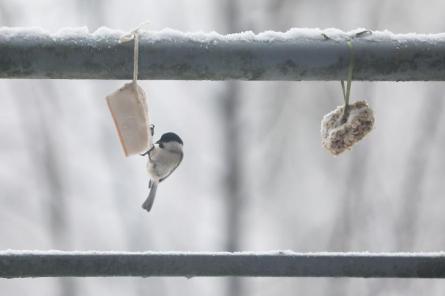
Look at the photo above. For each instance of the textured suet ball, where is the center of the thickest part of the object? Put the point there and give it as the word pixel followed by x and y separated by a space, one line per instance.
pixel 338 136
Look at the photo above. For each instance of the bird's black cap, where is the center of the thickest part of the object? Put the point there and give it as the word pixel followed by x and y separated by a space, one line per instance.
pixel 170 137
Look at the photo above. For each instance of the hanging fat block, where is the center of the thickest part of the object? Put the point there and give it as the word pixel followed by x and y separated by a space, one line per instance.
pixel 128 108
pixel 338 136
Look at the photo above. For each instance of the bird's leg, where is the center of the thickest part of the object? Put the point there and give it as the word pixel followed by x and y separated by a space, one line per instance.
pixel 148 152
pixel 152 131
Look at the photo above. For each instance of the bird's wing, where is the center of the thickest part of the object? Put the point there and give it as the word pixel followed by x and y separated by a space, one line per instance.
pixel 179 162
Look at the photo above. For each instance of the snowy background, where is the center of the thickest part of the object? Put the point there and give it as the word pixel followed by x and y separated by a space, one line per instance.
pixel 254 175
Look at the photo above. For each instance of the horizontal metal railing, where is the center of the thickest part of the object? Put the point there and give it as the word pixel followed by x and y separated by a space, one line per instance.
pixel 298 54
pixel 20 264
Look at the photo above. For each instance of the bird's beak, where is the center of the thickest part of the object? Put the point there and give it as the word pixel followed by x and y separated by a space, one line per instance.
pixel 158 142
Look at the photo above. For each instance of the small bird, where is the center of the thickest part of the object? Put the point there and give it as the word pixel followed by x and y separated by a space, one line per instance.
pixel 163 158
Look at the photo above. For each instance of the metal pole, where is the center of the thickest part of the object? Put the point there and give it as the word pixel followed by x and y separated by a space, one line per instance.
pixel 295 55
pixel 22 264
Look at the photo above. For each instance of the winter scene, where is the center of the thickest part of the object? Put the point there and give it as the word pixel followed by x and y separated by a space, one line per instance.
pixel 222 148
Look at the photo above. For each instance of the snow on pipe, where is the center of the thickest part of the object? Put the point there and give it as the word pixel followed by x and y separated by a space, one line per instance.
pixel 22 264
pixel 298 54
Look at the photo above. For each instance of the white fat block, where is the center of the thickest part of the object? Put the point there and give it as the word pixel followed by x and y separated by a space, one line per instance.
pixel 128 108
pixel 338 136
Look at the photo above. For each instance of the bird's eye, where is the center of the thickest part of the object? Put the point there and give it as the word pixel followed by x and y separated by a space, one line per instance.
pixel 161 145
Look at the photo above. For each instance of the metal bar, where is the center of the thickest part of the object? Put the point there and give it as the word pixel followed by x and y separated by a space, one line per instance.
pixel 23 264
pixel 294 55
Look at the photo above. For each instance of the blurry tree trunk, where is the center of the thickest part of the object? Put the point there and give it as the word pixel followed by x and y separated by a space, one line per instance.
pixel 231 101
pixel 348 215
pixel 37 124
pixel 233 179
pixel 280 16
pixel 406 226
pixel 233 157
pixel 52 172
pixel 40 115
pixel 417 163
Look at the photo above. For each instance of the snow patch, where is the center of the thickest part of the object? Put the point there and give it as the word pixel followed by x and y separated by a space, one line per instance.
pixel 168 34
pixel 244 253
pixel 72 32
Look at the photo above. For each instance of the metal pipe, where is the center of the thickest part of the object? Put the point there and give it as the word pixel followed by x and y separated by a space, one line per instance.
pixel 294 55
pixel 23 264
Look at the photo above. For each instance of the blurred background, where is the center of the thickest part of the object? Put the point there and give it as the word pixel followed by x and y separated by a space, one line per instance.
pixel 254 176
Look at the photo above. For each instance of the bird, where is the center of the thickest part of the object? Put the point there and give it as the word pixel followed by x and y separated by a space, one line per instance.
pixel 163 159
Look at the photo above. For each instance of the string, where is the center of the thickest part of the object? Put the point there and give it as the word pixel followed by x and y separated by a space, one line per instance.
pixel 134 35
pixel 347 93
pixel 136 57
pixel 343 90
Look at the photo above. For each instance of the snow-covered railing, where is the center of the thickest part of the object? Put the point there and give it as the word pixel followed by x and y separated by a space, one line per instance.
pixel 298 54
pixel 20 264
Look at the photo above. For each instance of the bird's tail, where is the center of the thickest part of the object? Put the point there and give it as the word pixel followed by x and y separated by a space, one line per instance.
pixel 148 203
